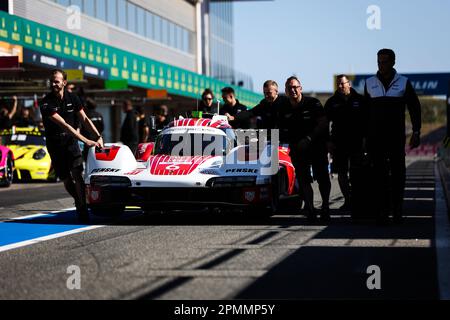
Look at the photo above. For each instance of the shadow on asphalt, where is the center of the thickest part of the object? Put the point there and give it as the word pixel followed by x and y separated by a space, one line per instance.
pixel 340 272
pixel 174 218
pixel 343 226
pixel 283 219
pixel 330 269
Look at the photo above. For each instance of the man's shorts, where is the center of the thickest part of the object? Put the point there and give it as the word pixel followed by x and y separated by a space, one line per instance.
pixel 65 156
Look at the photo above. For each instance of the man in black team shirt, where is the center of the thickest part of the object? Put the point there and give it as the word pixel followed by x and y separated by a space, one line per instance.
pixel 347 113
pixel 129 133
pixel 60 110
pixel 97 120
pixel 388 93
pixel 267 111
pixel 232 109
pixel 304 125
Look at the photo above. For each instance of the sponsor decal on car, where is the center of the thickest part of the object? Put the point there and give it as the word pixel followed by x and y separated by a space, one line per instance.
pixel 242 170
pixel 250 196
pixel 105 170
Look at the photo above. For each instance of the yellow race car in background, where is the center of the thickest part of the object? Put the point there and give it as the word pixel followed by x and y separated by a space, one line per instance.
pixel 31 158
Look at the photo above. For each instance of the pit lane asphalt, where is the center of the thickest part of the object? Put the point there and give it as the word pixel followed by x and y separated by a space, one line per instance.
pixel 23 193
pixel 198 255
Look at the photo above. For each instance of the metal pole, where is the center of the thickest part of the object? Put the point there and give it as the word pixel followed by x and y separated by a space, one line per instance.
pixel 199 17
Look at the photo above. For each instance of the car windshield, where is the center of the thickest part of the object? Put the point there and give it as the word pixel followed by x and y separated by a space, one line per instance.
pixel 191 144
pixel 22 139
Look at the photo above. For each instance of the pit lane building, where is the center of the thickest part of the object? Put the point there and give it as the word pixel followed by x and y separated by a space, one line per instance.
pixel 152 51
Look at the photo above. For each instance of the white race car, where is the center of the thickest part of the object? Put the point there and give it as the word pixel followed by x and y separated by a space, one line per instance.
pixel 194 162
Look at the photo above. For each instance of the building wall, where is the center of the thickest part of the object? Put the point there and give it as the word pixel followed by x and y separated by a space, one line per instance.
pixel 221 41
pixel 221 45
pixel 178 11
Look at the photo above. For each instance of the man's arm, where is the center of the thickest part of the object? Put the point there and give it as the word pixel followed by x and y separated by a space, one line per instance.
pixel 319 131
pixel 414 107
pixel 330 115
pixel 255 112
pixel 14 108
pixel 101 124
pixel 146 133
pixel 415 112
pixel 322 127
pixel 89 125
pixel 366 101
pixel 56 118
pixel 242 117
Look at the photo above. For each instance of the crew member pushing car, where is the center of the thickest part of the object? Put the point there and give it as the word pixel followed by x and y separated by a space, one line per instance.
pixel 60 110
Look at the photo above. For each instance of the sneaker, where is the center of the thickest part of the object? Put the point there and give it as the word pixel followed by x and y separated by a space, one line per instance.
pixel 310 214
pixel 83 213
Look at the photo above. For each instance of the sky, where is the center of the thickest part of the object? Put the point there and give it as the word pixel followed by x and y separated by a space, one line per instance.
pixel 316 39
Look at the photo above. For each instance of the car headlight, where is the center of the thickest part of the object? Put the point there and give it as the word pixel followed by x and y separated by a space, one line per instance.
pixel 216 164
pixel 212 169
pixel 39 155
pixel 209 171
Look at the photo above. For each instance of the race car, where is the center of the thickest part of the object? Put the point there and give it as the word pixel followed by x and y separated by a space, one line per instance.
pixel 31 158
pixel 193 163
pixel 6 166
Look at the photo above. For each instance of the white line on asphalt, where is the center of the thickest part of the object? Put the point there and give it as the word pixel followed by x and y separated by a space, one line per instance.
pixel 418 199
pixel 40 215
pixel 369 243
pixel 46 238
pixel 206 273
pixel 442 228
pixel 411 177
pixel 34 216
pixel 333 242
